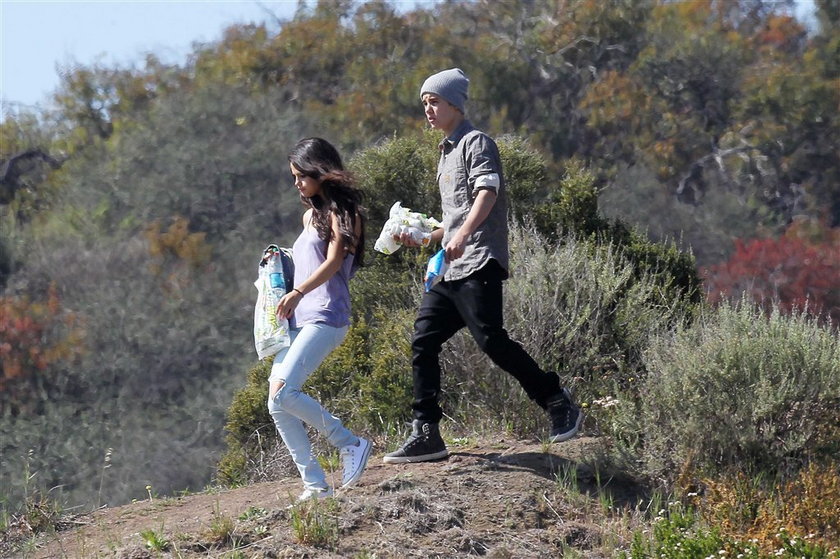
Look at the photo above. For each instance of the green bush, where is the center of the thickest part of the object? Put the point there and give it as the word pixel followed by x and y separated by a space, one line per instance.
pixel 575 209
pixel 389 282
pixel 525 176
pixel 367 379
pixel 399 169
pixel 384 395
pixel 737 390
pixel 249 429
pixel 577 308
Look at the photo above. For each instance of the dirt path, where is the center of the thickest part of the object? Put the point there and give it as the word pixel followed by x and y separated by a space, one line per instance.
pixel 498 498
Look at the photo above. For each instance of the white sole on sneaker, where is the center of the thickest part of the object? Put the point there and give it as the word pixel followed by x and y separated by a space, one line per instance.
pixel 367 447
pixel 312 495
pixel 422 458
pixel 568 434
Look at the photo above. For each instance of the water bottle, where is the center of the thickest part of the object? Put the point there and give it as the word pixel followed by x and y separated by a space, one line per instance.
pixel 275 272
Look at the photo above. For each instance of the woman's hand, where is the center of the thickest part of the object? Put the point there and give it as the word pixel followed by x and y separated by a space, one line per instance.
pixel 287 305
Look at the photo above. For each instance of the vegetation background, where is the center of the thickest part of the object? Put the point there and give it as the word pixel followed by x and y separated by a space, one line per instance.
pixel 649 145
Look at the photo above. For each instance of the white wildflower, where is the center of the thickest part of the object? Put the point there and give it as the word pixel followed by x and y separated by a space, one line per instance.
pixel 605 402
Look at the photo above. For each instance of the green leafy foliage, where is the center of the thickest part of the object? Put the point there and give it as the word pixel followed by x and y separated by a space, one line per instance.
pixel 249 429
pixel 737 390
pixel 385 393
pixel 399 169
pixel 572 206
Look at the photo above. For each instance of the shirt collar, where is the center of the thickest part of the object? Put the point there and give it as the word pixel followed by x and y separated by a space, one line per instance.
pixel 455 137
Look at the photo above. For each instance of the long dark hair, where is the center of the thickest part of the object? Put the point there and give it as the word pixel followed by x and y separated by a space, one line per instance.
pixel 318 159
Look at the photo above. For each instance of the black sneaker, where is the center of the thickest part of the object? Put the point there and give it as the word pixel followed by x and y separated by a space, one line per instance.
pixel 566 417
pixel 424 445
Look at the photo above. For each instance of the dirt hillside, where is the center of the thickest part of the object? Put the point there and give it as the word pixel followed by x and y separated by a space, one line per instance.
pixel 495 498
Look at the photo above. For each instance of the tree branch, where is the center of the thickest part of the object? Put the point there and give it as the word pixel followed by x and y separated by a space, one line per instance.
pixel 9 173
pixel 717 155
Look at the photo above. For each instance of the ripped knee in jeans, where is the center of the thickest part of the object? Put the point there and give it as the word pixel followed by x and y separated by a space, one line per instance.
pixel 275 388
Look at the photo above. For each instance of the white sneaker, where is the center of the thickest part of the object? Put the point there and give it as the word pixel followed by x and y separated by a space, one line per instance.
pixel 354 459
pixel 315 493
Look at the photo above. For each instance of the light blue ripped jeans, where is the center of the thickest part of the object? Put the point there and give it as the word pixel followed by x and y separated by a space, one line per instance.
pixel 290 407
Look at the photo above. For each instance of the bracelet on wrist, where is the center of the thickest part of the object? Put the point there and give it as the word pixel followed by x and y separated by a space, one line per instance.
pixel 298 290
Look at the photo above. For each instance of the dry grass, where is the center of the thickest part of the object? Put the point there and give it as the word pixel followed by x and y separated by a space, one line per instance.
pixel 749 510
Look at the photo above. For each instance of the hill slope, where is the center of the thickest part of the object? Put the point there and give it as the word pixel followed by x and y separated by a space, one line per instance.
pixel 497 498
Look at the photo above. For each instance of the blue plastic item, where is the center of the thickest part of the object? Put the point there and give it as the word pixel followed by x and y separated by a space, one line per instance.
pixel 435 269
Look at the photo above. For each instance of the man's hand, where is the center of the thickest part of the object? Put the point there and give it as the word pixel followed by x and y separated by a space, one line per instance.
pixel 406 240
pixel 481 207
pixel 456 246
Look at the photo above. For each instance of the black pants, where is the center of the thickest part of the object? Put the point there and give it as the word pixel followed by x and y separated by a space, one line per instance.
pixel 474 302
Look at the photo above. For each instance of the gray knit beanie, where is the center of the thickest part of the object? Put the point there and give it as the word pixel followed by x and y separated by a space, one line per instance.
pixel 450 85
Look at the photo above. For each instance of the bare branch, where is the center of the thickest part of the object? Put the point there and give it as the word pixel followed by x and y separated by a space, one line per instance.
pixel 717 156
pixel 9 173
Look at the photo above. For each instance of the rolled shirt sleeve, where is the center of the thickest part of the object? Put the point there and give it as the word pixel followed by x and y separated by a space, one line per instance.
pixel 484 166
pixel 490 181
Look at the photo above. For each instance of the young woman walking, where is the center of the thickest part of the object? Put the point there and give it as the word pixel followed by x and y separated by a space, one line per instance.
pixel 326 255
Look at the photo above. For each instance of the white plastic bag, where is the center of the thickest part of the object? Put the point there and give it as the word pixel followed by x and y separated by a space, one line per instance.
pixel 271 334
pixel 402 220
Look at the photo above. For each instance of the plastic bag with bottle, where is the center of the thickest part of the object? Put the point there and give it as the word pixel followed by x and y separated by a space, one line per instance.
pixel 275 277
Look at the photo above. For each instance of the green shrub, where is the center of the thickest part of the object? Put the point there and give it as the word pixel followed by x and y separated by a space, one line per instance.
pixel 674 271
pixel 388 281
pixel 384 395
pixel 680 534
pixel 738 390
pixel 333 382
pixel 525 176
pixel 571 206
pixel 249 429
pixel 399 169
pixel 577 308
pixel 367 379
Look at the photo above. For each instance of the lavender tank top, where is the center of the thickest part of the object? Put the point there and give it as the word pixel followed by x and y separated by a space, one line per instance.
pixel 329 303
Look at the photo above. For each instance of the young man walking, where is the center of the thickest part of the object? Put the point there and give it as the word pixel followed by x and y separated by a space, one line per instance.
pixel 475 238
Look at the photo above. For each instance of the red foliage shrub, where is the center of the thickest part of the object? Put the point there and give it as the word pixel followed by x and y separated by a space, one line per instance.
pixel 33 337
pixel 792 271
